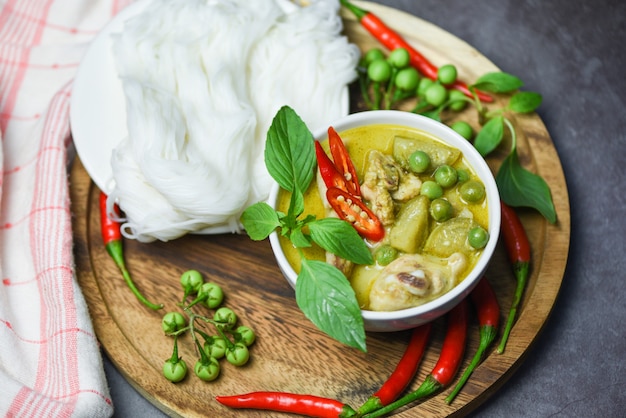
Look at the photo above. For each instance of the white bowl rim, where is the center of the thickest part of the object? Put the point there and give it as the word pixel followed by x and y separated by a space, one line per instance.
pixel 477 162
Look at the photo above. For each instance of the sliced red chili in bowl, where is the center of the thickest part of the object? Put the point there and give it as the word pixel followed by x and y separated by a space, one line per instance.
pixel 329 172
pixel 353 210
pixel 342 161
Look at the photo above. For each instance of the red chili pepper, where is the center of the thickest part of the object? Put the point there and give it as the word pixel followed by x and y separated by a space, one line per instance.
pixel 486 304
pixel 306 405
pixel 518 250
pixel 353 210
pixel 329 172
pixel 404 372
pixel 112 238
pixel 342 161
pixel 447 365
pixel 343 192
pixel 392 40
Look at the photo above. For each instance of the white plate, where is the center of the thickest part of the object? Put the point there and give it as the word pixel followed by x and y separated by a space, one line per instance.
pixel 98 106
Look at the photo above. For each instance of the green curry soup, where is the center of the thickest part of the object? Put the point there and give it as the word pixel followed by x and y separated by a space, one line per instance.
pixel 430 241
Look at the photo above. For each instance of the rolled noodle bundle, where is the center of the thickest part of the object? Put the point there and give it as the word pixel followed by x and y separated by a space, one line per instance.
pixel 202 81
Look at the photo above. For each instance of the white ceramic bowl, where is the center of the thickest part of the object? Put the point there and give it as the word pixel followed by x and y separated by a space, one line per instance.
pixel 412 317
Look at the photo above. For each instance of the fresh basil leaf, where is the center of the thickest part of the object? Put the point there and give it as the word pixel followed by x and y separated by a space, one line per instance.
pixel 289 151
pixel 296 203
pixel 520 187
pixel 295 209
pixel 525 101
pixel 299 239
pixel 260 220
pixel 498 82
pixel 325 297
pixel 490 136
pixel 341 239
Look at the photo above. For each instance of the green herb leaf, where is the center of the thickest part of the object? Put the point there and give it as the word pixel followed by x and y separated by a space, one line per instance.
pixel 341 239
pixel 498 82
pixel 295 209
pixel 325 296
pixel 525 102
pixel 520 187
pixel 260 220
pixel 490 136
pixel 289 151
pixel 299 239
pixel 296 204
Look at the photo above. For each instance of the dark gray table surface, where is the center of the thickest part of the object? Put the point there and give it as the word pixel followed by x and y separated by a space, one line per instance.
pixel 572 52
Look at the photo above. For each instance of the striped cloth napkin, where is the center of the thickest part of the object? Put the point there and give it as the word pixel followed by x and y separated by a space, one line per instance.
pixel 50 363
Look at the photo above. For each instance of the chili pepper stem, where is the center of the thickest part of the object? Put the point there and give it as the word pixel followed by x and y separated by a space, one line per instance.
pixel 357 11
pixel 114 248
pixel 487 335
pixel 372 404
pixel 427 388
pixel 521 276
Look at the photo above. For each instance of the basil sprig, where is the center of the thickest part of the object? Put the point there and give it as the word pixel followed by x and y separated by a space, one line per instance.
pixel 322 291
pixel 517 186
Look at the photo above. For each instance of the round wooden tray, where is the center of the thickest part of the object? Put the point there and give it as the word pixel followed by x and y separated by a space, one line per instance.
pixel 290 353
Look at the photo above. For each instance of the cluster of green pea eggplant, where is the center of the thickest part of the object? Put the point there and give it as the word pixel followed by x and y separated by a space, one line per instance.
pixel 388 81
pixel 230 340
pixel 392 82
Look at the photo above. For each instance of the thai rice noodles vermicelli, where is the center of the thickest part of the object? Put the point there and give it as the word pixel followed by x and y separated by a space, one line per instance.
pixel 202 81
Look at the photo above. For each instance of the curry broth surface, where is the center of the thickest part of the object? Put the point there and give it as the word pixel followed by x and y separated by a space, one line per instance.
pixel 359 142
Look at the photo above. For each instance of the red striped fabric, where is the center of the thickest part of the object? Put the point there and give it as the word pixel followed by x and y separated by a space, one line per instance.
pixel 50 363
